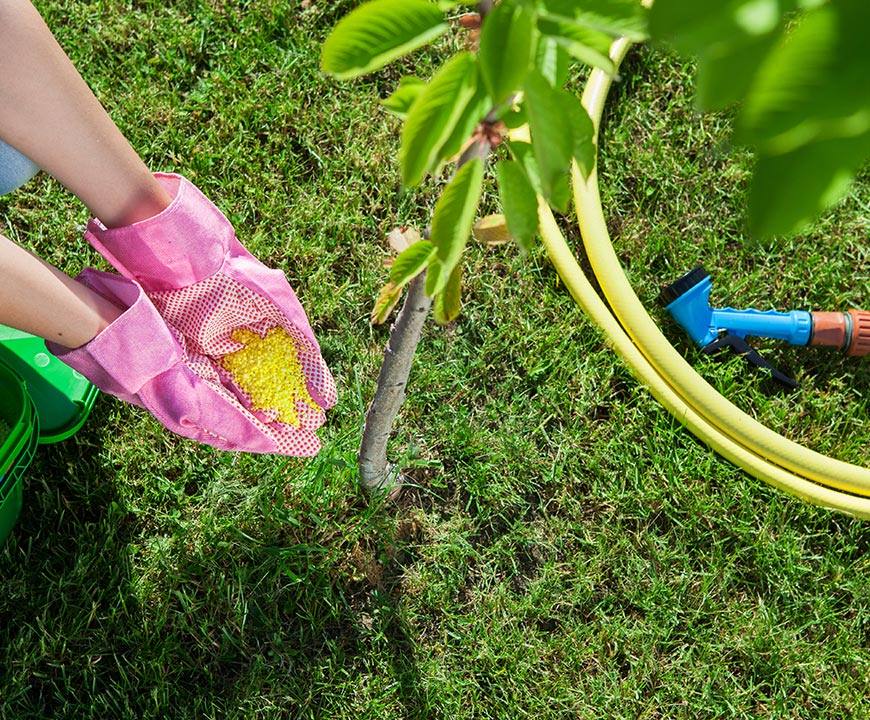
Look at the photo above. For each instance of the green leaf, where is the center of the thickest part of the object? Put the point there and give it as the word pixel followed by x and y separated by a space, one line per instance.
pixel 552 61
pixel 387 299
pixel 519 202
pixel 452 221
pixel 471 117
pixel 561 192
pixel 730 37
pixel 404 96
pixel 813 84
pixel 550 130
pixel 788 190
pixel 524 156
pixel 582 132
pixel 695 27
pixel 448 303
pixel 588 45
pixel 506 49
pixel 726 71
pixel 616 17
pixel 377 33
pixel 411 262
pixel 432 119
pixel 793 72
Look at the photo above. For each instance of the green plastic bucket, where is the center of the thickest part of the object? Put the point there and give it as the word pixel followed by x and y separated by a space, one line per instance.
pixel 42 400
pixel 63 397
pixel 20 435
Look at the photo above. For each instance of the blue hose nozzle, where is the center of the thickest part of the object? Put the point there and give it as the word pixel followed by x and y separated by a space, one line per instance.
pixel 688 301
pixel 715 329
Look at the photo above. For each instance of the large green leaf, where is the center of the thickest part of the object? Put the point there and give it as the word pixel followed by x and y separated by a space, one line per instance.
pixel 730 37
pixel 452 221
pixel 377 33
pixel 552 61
pixel 848 90
pixel 803 82
pixel 793 71
pixel 448 303
pixel 518 201
pixel 695 26
pixel 788 190
pixel 615 17
pixel 434 115
pixel 506 44
pixel 815 84
pixel 404 96
pixel 726 71
pixel 411 262
pixel 552 139
pixel 587 44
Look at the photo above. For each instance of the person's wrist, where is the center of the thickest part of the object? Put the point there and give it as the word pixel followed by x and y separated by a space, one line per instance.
pixel 144 204
pixel 100 314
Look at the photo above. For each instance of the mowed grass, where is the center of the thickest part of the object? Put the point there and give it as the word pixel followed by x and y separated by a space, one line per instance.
pixel 566 550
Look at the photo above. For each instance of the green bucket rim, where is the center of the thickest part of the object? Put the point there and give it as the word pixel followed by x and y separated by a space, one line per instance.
pixel 21 428
pixel 18 450
pixel 63 397
pixel 86 404
pixel 21 458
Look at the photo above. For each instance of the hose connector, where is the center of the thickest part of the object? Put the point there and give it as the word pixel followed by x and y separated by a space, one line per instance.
pixel 847 331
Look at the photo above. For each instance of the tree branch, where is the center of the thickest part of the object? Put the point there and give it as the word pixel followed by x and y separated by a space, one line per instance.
pixel 485 6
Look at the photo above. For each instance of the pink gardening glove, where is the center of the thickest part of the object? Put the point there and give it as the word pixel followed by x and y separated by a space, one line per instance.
pixel 221 298
pixel 142 359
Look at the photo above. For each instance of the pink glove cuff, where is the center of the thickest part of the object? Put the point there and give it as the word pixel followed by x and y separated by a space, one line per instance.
pixel 179 246
pixel 137 347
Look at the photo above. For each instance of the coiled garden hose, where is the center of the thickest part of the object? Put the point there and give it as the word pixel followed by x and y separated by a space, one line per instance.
pixel 725 428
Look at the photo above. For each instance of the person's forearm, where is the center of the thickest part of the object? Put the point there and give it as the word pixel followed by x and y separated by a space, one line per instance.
pixel 48 113
pixel 38 298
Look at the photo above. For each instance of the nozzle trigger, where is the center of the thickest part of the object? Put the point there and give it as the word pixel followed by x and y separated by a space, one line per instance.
pixel 739 346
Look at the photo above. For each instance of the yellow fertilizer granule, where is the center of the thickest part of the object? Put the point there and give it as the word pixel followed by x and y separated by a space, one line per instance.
pixel 268 370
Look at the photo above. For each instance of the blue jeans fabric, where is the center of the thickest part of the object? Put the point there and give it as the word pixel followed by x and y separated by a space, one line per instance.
pixel 15 168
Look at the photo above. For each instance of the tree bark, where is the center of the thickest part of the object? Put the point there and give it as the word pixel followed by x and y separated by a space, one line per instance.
pixel 375 471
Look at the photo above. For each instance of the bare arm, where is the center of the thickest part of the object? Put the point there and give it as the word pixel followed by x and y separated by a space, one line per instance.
pixel 38 298
pixel 48 112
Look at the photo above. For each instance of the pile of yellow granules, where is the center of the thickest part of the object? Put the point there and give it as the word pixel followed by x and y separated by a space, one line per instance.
pixel 268 370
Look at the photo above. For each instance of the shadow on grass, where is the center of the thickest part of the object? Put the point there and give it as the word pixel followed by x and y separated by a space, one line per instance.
pixel 108 613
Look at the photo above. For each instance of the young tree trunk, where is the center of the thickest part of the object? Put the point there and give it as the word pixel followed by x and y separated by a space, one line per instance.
pixel 375 471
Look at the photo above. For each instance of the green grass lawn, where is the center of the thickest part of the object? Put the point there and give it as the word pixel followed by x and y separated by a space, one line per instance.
pixel 567 550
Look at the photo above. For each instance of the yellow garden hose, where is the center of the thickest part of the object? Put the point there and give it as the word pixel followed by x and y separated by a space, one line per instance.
pixel 687 396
